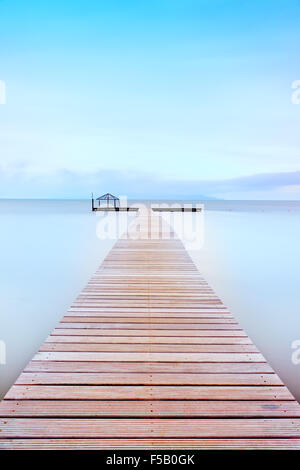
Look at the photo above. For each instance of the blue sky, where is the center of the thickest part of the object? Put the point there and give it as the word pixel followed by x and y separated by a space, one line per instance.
pixel 176 97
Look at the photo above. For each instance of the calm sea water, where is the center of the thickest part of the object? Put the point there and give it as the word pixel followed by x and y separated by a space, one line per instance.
pixel 250 256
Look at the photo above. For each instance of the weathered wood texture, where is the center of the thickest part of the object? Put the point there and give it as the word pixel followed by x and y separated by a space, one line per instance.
pixel 148 357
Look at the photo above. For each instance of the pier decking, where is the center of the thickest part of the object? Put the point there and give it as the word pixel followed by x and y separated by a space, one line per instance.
pixel 148 357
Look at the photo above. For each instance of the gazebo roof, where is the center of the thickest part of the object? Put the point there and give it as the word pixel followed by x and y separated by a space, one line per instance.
pixel 107 197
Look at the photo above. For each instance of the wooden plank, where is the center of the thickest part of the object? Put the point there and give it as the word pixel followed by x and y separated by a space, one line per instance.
pixel 146 357
pixel 147 320
pixel 150 444
pixel 147 408
pixel 150 333
pixel 174 340
pixel 158 367
pixel 150 347
pixel 139 428
pixel 152 315
pixel 143 392
pixel 150 378
pixel 149 325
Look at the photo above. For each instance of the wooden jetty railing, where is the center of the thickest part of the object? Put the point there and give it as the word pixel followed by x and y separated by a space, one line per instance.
pixel 148 357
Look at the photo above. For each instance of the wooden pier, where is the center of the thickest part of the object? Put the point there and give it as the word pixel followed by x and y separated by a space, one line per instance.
pixel 115 209
pixel 176 209
pixel 148 357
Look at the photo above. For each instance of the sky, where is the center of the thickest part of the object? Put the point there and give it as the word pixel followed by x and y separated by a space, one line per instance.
pixel 168 98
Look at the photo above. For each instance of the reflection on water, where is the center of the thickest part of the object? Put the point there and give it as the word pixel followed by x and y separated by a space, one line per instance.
pixel 49 249
pixel 250 256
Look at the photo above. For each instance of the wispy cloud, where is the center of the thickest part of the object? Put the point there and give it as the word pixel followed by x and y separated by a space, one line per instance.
pixel 69 184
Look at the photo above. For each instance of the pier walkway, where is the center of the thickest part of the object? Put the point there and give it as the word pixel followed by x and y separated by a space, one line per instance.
pixel 148 357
